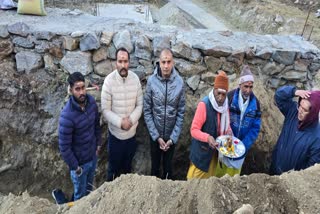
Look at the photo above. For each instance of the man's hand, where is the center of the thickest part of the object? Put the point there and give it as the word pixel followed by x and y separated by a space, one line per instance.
pixel 168 144
pixel 212 142
pixel 162 144
pixel 303 94
pixel 126 123
pixel 79 171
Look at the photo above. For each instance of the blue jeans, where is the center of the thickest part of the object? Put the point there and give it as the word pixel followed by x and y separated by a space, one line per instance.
pixel 121 153
pixel 83 183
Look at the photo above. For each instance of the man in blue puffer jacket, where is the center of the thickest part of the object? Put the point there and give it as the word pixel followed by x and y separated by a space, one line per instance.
pixel 80 135
pixel 164 107
pixel 245 115
pixel 298 146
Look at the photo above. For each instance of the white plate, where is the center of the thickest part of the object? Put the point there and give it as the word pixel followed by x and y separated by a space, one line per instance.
pixel 239 148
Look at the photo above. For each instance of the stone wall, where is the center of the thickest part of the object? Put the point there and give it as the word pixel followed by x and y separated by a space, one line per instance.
pixel 33 85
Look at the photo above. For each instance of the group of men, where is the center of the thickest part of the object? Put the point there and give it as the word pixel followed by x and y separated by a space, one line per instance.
pixel 122 103
pixel 222 112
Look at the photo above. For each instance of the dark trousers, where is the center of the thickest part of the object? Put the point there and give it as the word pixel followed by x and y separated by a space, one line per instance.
pixel 156 155
pixel 121 153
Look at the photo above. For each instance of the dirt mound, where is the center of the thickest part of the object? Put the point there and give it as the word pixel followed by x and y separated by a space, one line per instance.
pixel 12 204
pixel 295 192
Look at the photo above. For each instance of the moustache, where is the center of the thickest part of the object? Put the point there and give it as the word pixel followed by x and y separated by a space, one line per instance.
pixel 123 69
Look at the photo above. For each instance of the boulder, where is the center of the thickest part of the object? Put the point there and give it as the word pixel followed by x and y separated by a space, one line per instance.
pixel 143 49
pixel 104 68
pixel 20 29
pixel 28 61
pixel 216 51
pixel 284 57
pixel 100 54
pixel 49 64
pixel 213 64
pixel 295 76
pixel 271 68
pixel 70 43
pixel 23 42
pixel 106 38
pixel 123 39
pixel 112 51
pixel 6 48
pixel 187 69
pixel 182 50
pixel 76 34
pixel 4 31
pixel 42 46
pixel 89 41
pixel 77 61
pixel 193 82
pixel 244 209
pixel 45 35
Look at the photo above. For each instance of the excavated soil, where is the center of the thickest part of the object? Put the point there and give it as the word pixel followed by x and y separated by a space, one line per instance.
pixel 294 192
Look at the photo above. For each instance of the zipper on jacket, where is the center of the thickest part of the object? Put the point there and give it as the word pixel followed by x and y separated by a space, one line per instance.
pixel 165 110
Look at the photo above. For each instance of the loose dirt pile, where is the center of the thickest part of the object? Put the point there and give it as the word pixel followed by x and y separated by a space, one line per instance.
pixel 268 16
pixel 296 192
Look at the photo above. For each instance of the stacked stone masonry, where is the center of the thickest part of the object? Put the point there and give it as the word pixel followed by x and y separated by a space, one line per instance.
pixel 276 60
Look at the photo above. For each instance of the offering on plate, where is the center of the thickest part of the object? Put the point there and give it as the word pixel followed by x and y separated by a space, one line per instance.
pixel 230 146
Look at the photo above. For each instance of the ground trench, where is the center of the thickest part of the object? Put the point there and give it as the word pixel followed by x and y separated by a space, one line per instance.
pixel 39 177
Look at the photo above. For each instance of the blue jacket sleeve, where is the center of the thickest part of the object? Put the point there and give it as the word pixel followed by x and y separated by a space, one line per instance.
pixel 314 155
pixel 283 99
pixel 253 133
pixel 65 142
pixel 148 113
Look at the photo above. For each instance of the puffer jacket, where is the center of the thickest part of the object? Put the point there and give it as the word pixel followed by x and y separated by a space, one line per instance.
pixel 121 97
pixel 79 132
pixel 164 105
pixel 247 129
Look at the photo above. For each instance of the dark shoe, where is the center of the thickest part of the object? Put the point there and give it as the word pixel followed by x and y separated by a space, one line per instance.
pixel 59 196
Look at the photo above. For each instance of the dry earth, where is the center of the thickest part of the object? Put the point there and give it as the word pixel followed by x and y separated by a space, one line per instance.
pixel 268 16
pixel 292 192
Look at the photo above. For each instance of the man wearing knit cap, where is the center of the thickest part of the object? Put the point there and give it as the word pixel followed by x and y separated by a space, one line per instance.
pixel 245 118
pixel 298 146
pixel 211 120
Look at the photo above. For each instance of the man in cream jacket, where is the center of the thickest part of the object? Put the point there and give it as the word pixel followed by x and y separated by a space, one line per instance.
pixel 121 105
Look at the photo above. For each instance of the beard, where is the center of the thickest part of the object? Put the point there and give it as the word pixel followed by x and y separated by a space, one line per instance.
pixel 245 96
pixel 123 72
pixel 81 100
